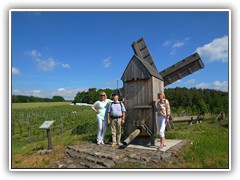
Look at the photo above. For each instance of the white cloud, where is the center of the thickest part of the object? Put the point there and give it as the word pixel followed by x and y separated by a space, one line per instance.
pixel 106 62
pixel 34 53
pixel 175 44
pixel 46 65
pixel 16 92
pixel 167 43
pixel 66 66
pixel 60 89
pixel 222 86
pixel 202 86
pixel 36 92
pixel 66 93
pixel 217 85
pixel 191 81
pixel 217 50
pixel 15 71
pixel 178 44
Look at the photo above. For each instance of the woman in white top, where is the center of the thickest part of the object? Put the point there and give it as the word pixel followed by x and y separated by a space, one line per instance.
pixel 163 114
pixel 101 107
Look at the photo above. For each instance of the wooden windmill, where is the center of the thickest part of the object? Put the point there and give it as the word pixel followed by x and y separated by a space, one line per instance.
pixel 142 82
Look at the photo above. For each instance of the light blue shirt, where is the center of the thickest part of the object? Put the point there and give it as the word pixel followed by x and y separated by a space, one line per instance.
pixel 116 109
pixel 102 107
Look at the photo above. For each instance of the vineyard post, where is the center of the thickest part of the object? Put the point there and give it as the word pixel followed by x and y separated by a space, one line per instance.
pixel 49 139
pixel 30 127
pixel 62 124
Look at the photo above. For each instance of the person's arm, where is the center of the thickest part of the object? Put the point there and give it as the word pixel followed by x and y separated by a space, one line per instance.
pixel 123 114
pixel 109 100
pixel 94 106
pixel 108 118
pixel 168 110
pixel 108 115
pixel 123 117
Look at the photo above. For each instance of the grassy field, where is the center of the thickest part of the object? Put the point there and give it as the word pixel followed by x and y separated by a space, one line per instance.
pixel 208 145
pixel 37 105
pixel 207 148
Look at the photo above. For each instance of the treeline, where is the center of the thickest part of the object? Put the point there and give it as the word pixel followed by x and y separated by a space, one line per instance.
pixel 182 100
pixel 25 99
pixel 92 95
pixel 197 101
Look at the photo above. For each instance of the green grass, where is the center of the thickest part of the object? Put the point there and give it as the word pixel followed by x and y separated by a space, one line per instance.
pixel 37 105
pixel 208 144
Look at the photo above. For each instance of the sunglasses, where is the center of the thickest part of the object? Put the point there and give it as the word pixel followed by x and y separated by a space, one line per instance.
pixel 102 95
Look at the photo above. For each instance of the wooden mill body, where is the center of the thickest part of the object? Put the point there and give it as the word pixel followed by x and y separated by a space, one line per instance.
pixel 141 84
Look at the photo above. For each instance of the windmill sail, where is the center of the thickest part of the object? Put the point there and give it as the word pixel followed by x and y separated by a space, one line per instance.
pixel 181 69
pixel 140 49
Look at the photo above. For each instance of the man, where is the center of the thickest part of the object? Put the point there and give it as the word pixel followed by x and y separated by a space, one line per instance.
pixel 116 117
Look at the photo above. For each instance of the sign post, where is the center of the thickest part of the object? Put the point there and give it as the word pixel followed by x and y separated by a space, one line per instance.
pixel 46 125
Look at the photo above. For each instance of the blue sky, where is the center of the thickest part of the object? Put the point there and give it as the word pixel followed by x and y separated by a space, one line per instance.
pixel 62 53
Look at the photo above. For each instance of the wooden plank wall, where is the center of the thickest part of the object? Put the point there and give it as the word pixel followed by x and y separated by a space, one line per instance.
pixel 158 86
pixel 141 93
pixel 137 93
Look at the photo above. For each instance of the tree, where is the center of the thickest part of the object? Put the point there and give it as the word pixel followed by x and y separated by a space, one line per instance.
pixel 58 99
pixel 15 99
pixel 202 106
pixel 195 109
pixel 180 111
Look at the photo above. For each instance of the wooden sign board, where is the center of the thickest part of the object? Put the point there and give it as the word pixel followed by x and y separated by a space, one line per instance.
pixel 46 124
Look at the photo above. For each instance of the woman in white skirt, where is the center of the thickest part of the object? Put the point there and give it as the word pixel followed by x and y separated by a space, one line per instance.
pixel 163 114
pixel 101 107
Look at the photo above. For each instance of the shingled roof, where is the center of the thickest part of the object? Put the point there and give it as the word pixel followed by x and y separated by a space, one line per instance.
pixel 145 70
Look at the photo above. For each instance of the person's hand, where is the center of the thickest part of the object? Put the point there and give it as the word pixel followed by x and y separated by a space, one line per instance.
pixel 97 112
pixel 123 121
pixel 109 122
